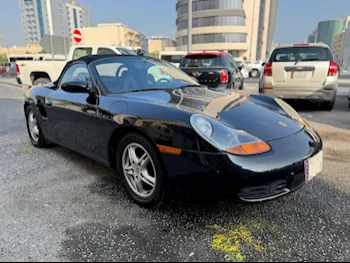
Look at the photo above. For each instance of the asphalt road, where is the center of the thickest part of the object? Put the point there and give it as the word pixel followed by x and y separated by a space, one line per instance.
pixel 57 205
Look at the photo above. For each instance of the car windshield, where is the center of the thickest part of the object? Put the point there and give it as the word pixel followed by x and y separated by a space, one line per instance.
pixel 132 74
pixel 201 61
pixel 294 54
pixel 125 51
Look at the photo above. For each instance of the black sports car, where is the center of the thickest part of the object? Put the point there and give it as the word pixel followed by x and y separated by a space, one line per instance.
pixel 162 131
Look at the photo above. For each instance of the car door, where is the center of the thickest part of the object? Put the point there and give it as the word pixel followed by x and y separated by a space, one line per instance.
pixel 73 114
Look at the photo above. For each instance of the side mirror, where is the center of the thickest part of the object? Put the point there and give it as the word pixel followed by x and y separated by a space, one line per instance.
pixel 78 86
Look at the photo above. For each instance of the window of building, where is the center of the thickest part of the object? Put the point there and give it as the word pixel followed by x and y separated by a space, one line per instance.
pixel 40 16
pixel 210 5
pixel 213 21
pixel 234 53
pixel 214 38
pixel 75 18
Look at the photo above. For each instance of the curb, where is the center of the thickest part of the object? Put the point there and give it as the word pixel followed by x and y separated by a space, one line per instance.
pixel 14 85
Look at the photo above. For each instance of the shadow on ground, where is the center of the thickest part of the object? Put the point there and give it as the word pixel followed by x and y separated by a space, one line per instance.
pixel 311 224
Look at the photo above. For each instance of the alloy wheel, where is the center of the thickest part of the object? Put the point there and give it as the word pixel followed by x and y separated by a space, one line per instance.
pixel 139 170
pixel 33 127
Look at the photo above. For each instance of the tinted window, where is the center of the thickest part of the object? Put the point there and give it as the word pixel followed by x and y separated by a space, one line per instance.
pixel 105 51
pixel 81 52
pixel 294 54
pixel 76 72
pixel 201 61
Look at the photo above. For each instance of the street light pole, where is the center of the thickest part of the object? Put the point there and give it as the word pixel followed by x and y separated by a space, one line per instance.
pixel 189 29
pixel 251 33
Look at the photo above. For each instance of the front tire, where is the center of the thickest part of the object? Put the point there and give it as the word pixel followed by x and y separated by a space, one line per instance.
pixel 41 82
pixel 138 164
pixel 34 131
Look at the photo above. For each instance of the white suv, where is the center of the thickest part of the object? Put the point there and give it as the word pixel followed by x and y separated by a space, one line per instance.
pixel 302 72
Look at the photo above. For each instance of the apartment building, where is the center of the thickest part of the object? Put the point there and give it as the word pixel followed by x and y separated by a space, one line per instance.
pixel 112 34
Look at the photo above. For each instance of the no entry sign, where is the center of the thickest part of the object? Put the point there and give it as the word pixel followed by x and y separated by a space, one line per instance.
pixel 77 36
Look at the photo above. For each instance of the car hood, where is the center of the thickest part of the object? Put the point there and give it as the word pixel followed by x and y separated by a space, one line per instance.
pixel 247 113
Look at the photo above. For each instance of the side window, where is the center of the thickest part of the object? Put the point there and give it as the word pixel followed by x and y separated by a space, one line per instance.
pixel 105 51
pixel 81 52
pixel 75 73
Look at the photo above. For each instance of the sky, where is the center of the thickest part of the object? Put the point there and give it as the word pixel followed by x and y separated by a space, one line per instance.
pixel 296 18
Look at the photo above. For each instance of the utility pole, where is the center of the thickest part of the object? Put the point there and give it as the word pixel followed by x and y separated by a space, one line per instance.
pixel 189 29
pixel 251 34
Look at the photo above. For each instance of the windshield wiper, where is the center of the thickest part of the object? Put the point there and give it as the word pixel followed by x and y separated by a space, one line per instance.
pixel 306 59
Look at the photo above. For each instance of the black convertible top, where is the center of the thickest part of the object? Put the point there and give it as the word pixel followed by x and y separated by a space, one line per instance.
pixel 92 58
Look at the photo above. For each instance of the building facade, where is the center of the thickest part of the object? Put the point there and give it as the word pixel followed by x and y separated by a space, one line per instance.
pixel 327 30
pixel 52 17
pixel 244 28
pixel 338 45
pixel 112 34
pixel 157 44
pixel 345 56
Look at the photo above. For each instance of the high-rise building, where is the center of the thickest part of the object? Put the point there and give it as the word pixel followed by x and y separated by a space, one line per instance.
pixel 327 30
pixel 79 16
pixel 311 38
pixel 52 17
pixel 244 28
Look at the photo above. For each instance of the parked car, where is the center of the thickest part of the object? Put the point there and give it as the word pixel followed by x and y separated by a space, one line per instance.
pixel 213 69
pixel 255 69
pixel 33 73
pixel 302 72
pixel 8 69
pixel 173 133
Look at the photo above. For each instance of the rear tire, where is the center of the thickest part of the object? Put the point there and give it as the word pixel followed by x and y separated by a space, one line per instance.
pixel 254 73
pixel 145 179
pixel 328 106
pixel 41 82
pixel 34 131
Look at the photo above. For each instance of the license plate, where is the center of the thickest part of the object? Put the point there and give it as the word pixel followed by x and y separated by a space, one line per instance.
pixel 301 75
pixel 313 167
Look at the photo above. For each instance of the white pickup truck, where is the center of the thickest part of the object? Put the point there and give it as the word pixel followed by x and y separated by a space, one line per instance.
pixel 34 73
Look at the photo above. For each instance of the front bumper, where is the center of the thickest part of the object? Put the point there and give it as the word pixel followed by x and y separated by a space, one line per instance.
pixel 314 93
pixel 248 179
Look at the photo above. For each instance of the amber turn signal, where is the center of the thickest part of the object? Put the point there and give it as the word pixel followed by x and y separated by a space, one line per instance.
pixel 167 149
pixel 250 148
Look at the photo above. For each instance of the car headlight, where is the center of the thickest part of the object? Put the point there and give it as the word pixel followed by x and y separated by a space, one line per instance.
pixel 237 142
pixel 291 112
